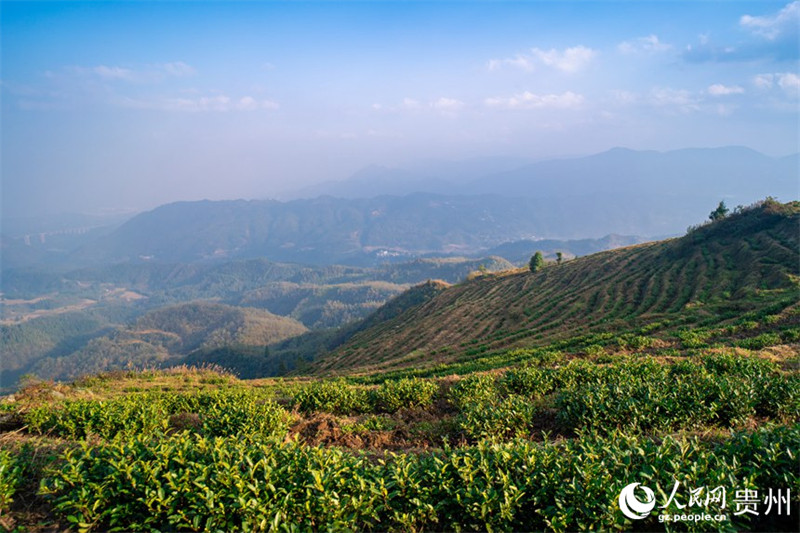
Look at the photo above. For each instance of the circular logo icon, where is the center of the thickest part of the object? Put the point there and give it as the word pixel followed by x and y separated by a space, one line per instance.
pixel 631 506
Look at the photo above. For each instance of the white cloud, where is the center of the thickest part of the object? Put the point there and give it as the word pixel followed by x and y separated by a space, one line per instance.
pixel 528 100
pixel 113 73
pixel 447 104
pixel 724 110
pixel 518 61
pixel 410 103
pixel 448 107
pixel 773 26
pixel 647 45
pixel 788 81
pixel 677 99
pixel 443 105
pixel 179 69
pixel 568 60
pixel 625 97
pixel 763 81
pixel 248 103
pixel 145 74
pixel 723 90
pixel 219 103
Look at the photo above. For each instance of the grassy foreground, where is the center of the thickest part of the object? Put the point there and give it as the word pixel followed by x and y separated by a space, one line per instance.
pixel 547 445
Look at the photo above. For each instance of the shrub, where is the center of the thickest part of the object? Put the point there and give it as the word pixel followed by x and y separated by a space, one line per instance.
pixel 332 397
pixel 477 388
pixel 760 341
pixel 218 412
pixel 190 482
pixel 10 477
pixel 404 393
pixel 497 419
pixel 528 381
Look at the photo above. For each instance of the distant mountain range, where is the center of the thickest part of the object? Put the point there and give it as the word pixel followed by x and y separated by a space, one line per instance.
pixel 489 203
pixel 619 191
pixel 431 176
pixel 735 174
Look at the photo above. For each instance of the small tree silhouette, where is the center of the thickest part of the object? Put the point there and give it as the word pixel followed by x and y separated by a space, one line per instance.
pixel 559 257
pixel 719 213
pixel 537 262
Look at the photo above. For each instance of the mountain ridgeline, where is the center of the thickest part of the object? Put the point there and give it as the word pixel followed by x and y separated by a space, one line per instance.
pixel 621 192
pixel 744 264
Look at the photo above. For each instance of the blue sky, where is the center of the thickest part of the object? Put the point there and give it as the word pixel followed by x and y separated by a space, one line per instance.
pixel 127 105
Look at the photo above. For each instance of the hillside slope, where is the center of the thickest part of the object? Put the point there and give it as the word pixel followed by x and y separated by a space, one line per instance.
pixel 171 334
pixel 745 262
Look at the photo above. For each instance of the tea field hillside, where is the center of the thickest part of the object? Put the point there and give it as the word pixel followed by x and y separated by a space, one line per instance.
pixel 734 280
pixel 648 389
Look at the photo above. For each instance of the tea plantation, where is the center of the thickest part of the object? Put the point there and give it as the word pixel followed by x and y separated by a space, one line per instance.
pixel 684 417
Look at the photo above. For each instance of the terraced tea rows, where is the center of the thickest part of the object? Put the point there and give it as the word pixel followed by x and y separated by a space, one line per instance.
pixel 737 264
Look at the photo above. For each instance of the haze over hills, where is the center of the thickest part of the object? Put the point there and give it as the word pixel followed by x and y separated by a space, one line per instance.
pixel 741 264
pixel 238 252
pixel 737 174
pixel 57 323
pixel 456 208
pixel 431 176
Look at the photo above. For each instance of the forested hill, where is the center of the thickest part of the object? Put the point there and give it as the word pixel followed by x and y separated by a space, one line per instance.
pixel 743 263
pixel 171 334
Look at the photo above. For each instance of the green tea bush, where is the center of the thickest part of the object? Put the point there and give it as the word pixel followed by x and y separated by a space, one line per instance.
pixel 477 388
pixel 220 412
pixel 501 418
pixel 694 338
pixel 578 372
pixel 779 397
pixel 790 335
pixel 191 483
pixel 10 477
pixel 241 413
pixel 333 397
pixel 371 423
pixel 196 483
pixel 78 418
pixel 528 381
pixel 634 342
pixel 746 367
pixel 760 341
pixel 404 393
pixel 642 395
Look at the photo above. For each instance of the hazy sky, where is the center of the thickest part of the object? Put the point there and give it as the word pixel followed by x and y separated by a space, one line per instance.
pixel 113 105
